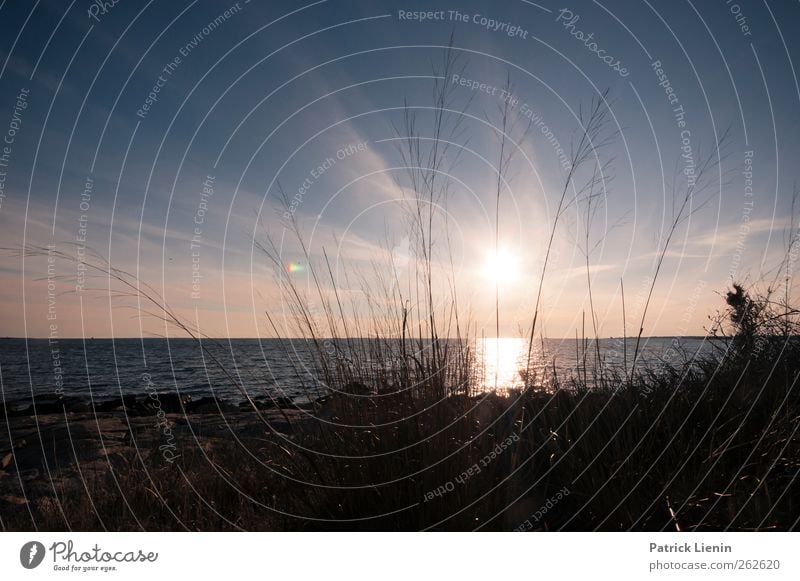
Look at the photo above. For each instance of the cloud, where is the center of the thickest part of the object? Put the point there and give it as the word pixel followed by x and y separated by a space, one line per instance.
pixel 725 238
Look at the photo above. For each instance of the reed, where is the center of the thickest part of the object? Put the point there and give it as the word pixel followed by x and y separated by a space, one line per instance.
pixel 402 435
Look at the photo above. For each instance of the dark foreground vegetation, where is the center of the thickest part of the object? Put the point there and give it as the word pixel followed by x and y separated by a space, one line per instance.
pixel 709 445
pixel 403 438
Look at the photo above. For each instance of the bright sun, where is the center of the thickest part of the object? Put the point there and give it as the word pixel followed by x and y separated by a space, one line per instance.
pixel 502 267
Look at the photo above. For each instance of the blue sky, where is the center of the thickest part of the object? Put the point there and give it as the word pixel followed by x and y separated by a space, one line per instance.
pixel 263 94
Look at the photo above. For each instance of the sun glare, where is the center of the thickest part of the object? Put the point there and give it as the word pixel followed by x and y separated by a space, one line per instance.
pixel 502 359
pixel 502 267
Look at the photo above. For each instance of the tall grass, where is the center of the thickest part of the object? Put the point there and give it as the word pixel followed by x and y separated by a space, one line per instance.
pixel 402 435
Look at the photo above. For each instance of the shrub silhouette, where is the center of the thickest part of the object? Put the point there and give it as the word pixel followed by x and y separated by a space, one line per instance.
pixel 744 314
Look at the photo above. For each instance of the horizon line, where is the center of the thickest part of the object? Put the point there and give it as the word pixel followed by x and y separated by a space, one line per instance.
pixel 340 338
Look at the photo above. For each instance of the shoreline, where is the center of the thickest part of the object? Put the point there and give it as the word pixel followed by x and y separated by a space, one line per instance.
pixel 50 454
pixel 144 405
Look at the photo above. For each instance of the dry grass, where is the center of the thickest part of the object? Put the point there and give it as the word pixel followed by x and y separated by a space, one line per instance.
pixel 396 440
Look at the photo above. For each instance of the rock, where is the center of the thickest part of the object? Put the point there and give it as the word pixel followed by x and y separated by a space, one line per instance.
pixel 169 403
pixel 78 406
pixel 45 404
pixel 255 404
pixel 53 404
pixel 208 405
pixel 116 404
pixel 280 401
pixel 268 403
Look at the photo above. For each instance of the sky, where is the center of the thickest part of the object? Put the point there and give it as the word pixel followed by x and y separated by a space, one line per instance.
pixel 158 137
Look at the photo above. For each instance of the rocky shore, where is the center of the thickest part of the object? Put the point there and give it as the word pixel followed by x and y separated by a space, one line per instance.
pixel 143 405
pixel 53 445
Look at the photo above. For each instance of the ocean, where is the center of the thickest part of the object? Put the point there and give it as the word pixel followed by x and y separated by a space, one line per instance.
pixel 101 369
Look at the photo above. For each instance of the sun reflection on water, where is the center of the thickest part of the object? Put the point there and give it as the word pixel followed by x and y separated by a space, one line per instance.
pixel 501 360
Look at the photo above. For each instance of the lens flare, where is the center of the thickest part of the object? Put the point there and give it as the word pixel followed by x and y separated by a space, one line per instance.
pixel 294 267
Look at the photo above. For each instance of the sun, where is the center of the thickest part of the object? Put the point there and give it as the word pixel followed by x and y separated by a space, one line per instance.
pixel 501 267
